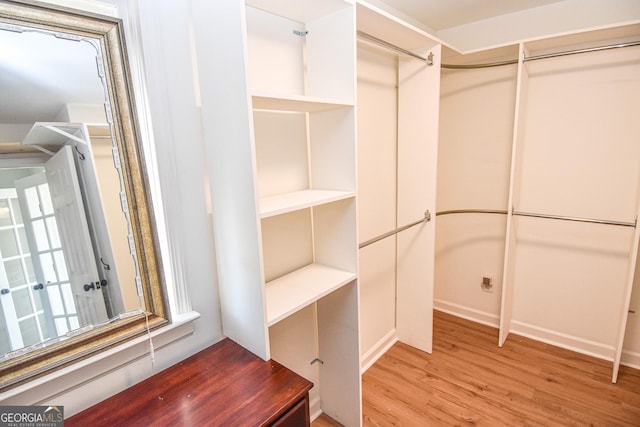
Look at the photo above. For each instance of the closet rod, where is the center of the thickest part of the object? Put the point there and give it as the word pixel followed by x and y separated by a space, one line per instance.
pixel 427 218
pixel 570 218
pixel 573 52
pixel 376 40
pixel 474 66
pixel 464 211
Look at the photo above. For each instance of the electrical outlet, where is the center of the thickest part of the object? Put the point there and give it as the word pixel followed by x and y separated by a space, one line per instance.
pixel 487 284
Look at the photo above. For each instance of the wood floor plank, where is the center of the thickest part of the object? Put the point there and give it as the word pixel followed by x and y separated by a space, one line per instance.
pixel 469 380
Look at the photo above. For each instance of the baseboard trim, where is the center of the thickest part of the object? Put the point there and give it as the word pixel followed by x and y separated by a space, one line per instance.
pixel 559 339
pixel 468 313
pixel 630 359
pixel 377 350
pixel 315 409
pixel 569 342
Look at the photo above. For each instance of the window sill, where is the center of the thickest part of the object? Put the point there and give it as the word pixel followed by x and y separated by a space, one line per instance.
pixel 82 372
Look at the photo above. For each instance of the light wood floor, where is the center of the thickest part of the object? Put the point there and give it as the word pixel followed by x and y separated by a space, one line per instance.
pixel 469 380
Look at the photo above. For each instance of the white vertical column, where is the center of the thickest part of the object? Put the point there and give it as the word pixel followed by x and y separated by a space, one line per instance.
pixel 628 289
pixel 514 188
pixel 418 107
pixel 220 33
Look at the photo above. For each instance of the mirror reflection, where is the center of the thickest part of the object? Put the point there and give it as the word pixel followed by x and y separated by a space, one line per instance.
pixel 65 256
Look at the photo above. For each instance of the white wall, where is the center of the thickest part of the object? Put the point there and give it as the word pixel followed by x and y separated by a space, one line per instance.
pixel 474 160
pixel 577 157
pixel 165 33
pixel 377 113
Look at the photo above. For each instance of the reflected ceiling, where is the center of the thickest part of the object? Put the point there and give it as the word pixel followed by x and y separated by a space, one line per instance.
pixel 35 85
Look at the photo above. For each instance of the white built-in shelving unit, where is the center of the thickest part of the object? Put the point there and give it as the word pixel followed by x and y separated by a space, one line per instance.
pixel 282 135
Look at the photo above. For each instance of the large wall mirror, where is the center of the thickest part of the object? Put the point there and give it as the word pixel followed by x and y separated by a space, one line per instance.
pixel 79 264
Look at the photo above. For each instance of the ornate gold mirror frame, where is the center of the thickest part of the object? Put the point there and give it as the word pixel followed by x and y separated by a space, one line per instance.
pixel 109 33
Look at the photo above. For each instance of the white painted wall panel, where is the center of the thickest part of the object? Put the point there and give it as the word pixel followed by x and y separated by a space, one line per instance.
pixel 377 292
pixel 376 193
pixel 418 108
pixel 376 142
pixel 281 152
pixel 476 131
pixel 474 160
pixel 580 159
pixel 469 247
pixel 569 278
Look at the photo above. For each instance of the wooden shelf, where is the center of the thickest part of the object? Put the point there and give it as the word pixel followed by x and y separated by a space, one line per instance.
pixel 296 290
pixel 289 202
pixel 297 103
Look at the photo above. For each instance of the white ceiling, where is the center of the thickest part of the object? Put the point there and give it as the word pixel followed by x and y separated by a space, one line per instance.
pixel 441 14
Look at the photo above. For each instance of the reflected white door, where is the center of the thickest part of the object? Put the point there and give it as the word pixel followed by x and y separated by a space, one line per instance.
pixel 46 251
pixel 99 177
pixel 70 214
pixel 23 302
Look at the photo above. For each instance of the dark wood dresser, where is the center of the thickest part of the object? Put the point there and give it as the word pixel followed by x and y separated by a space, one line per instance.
pixel 223 385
